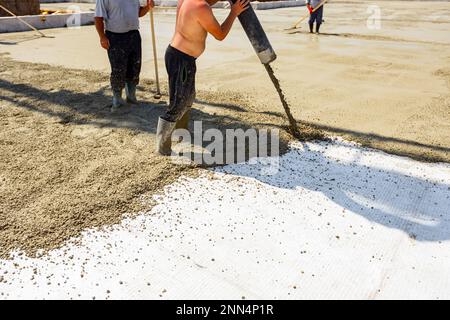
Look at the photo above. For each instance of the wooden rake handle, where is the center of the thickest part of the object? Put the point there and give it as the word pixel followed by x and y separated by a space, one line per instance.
pixel 155 54
pixel 23 21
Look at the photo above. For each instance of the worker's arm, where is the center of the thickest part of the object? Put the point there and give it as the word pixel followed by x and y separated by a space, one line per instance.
pixel 308 5
pixel 144 10
pixel 100 26
pixel 211 25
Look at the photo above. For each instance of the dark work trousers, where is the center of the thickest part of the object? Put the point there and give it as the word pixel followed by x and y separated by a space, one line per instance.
pixel 181 69
pixel 125 56
pixel 316 16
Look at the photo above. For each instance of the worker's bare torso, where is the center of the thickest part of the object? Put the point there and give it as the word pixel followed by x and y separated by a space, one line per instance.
pixel 190 36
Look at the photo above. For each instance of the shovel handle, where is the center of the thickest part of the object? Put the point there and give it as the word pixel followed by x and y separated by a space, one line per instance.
pixel 23 21
pixel 155 54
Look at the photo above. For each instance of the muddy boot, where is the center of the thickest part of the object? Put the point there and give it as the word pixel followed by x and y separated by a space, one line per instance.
pixel 318 28
pixel 117 101
pixel 130 89
pixel 183 123
pixel 311 28
pixel 164 137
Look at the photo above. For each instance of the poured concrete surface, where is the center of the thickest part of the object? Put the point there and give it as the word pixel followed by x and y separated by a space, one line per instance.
pixel 387 88
pixel 336 221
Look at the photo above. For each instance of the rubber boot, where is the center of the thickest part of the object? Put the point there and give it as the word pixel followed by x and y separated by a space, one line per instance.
pixel 183 123
pixel 164 137
pixel 318 28
pixel 130 89
pixel 311 28
pixel 117 101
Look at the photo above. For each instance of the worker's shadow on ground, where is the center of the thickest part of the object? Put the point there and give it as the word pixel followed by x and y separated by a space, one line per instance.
pixel 94 108
pixel 8 42
pixel 390 144
pixel 391 198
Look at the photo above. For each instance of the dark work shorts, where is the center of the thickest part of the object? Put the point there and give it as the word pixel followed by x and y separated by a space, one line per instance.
pixel 181 69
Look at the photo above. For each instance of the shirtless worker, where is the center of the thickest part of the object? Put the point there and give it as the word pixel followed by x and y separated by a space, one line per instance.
pixel 117 24
pixel 195 19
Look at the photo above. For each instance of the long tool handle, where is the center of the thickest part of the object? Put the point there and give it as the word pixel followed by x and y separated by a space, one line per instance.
pixel 155 55
pixel 23 21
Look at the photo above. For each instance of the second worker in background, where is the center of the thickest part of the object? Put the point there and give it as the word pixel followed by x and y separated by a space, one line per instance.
pixel 117 23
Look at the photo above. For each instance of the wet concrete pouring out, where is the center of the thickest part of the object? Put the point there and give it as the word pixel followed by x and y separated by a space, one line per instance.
pixel 266 55
pixel 293 124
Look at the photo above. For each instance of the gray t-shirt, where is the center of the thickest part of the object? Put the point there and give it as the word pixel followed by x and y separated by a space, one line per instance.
pixel 120 15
